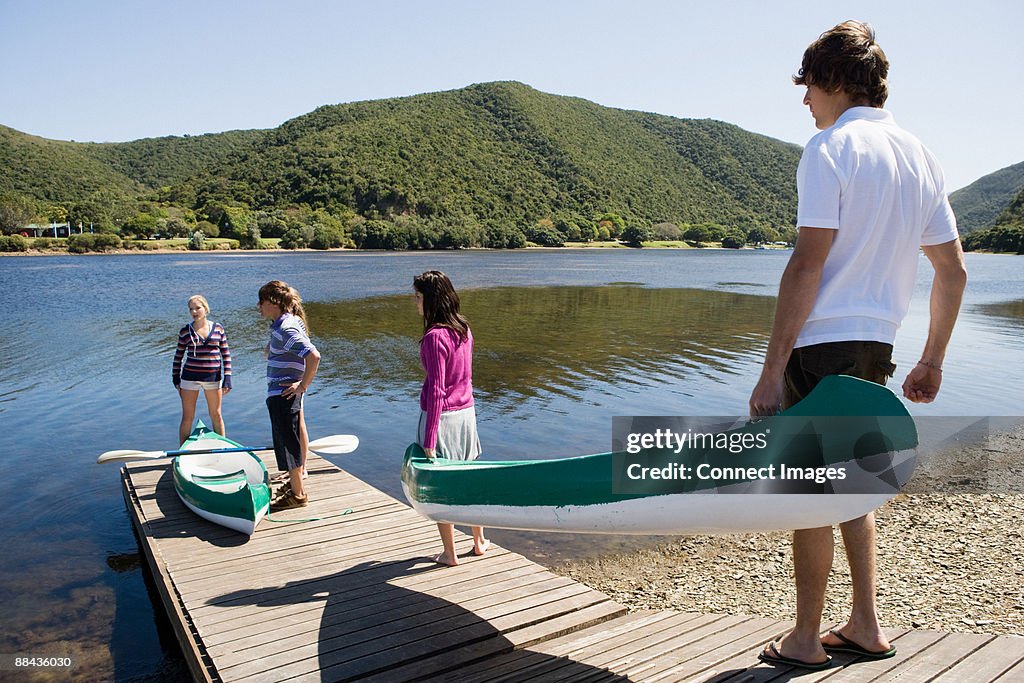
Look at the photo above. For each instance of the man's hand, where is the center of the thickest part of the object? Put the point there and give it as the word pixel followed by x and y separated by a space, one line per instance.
pixel 922 384
pixel 766 399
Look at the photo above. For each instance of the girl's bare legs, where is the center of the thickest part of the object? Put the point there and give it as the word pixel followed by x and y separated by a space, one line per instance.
pixel 480 544
pixel 188 412
pixel 213 403
pixel 448 557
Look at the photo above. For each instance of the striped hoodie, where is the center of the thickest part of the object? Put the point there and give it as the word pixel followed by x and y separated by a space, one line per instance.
pixel 206 360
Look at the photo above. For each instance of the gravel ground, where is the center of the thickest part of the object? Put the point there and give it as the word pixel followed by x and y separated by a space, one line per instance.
pixel 947 559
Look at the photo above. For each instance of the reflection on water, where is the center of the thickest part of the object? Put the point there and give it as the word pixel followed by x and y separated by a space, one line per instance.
pixel 1009 315
pixel 573 339
pixel 552 366
pixel 536 341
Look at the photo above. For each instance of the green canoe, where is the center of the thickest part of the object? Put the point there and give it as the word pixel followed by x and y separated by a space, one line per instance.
pixel 845 426
pixel 230 489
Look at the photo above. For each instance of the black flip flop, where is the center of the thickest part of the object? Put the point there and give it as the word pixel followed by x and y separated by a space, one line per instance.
pixel 778 659
pixel 853 648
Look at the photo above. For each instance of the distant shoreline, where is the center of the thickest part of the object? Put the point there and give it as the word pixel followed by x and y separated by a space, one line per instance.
pixel 574 246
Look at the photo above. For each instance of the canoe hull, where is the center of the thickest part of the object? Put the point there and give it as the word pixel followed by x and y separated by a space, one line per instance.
pixel 586 494
pixel 229 489
pixel 674 514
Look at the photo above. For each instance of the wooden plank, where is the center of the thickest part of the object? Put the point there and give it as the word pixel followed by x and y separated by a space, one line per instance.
pixel 650 638
pixel 198 665
pixel 555 656
pixel 354 595
pixel 602 639
pixel 324 558
pixel 688 658
pixel 691 637
pixel 180 530
pixel 907 647
pixel 568 622
pixel 386 569
pixel 170 514
pixel 347 629
pixel 359 584
pixel 341 595
pixel 745 658
pixel 953 648
pixel 308 539
pixel 369 601
pixel 455 662
pixel 383 647
pixel 994 661
pixel 1014 674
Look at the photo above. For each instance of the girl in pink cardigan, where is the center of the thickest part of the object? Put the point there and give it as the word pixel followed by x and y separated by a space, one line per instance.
pixel 447 426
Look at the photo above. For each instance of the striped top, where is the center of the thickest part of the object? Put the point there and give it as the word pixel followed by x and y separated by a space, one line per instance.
pixel 448 362
pixel 289 345
pixel 205 359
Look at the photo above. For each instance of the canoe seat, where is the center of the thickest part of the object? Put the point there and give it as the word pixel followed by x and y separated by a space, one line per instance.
pixel 220 478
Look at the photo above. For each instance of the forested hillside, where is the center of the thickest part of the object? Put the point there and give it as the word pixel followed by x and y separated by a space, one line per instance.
pixel 488 165
pixel 157 162
pixel 979 204
pixel 1006 235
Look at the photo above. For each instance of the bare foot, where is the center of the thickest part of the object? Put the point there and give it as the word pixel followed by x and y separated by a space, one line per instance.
pixel 442 558
pixel 480 549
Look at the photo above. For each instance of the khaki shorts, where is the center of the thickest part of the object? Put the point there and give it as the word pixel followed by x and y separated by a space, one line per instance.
pixel 193 385
pixel 807 365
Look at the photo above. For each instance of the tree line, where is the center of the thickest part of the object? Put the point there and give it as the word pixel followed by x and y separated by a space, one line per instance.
pixel 496 165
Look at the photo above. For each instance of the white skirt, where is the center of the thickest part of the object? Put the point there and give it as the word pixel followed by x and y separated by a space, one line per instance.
pixel 457 438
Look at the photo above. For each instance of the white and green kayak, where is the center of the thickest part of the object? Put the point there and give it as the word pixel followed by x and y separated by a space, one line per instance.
pixel 230 489
pixel 845 425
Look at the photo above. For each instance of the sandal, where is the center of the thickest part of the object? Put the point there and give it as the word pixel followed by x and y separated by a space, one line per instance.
pixel 288 501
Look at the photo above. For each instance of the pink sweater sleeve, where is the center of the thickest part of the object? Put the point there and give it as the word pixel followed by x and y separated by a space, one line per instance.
pixel 434 354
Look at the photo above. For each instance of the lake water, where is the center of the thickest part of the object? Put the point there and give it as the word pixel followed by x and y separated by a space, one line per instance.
pixel 565 340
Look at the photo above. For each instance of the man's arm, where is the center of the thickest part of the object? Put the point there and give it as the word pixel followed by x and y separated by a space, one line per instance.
pixel 797 294
pixel 923 380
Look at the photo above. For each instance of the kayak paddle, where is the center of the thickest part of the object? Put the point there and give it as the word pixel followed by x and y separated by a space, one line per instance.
pixel 335 444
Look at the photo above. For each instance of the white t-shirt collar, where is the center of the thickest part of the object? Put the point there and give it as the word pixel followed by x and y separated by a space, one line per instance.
pixel 866 113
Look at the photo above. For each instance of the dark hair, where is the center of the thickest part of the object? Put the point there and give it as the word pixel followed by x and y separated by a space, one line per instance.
pixel 847 58
pixel 286 297
pixel 440 303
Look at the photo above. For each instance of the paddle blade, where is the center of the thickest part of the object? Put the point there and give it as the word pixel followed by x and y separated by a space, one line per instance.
pixel 335 444
pixel 128 456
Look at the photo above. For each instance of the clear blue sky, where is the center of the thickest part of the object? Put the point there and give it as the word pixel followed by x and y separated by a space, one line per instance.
pixel 126 69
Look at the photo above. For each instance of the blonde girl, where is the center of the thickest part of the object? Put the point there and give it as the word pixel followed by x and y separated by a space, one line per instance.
pixel 202 362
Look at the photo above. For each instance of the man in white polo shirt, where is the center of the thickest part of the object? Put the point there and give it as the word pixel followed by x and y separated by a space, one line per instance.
pixel 870 197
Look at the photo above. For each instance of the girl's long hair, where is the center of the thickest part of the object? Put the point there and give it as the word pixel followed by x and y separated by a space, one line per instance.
pixel 440 303
pixel 201 300
pixel 287 298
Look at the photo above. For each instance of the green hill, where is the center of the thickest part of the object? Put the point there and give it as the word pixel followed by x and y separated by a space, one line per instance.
pixel 979 204
pixel 505 151
pixel 490 157
pixel 157 162
pixel 56 171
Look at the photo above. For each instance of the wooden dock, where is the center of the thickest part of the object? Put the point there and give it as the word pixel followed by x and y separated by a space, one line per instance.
pixel 351 596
